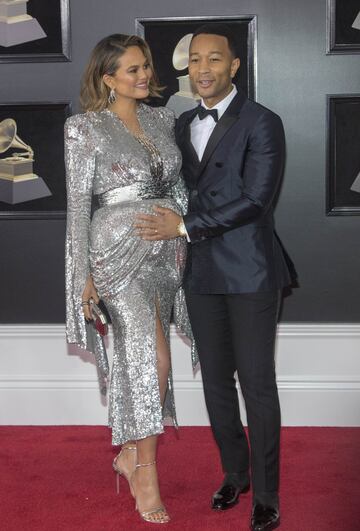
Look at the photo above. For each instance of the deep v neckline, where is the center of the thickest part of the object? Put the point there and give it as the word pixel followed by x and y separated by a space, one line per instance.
pixel 146 142
pixel 142 132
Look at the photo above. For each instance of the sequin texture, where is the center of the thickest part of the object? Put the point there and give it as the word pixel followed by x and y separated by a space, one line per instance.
pixel 131 275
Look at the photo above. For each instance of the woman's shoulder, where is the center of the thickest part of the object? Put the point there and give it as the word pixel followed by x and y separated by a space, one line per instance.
pixel 160 112
pixel 81 119
pixel 161 115
pixel 165 112
pixel 81 126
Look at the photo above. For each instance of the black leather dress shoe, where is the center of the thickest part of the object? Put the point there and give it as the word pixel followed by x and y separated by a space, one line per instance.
pixel 227 496
pixel 264 518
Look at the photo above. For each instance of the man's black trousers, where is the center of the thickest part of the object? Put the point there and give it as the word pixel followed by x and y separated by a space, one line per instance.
pixel 236 333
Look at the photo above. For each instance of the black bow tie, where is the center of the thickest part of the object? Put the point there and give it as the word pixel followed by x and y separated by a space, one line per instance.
pixel 203 113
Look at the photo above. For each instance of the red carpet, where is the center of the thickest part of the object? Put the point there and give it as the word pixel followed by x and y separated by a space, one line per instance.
pixel 60 478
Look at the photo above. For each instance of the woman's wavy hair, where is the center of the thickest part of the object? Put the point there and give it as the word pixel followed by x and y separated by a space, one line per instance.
pixel 104 59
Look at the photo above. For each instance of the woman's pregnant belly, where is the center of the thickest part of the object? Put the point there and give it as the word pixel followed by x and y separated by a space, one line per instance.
pixel 118 255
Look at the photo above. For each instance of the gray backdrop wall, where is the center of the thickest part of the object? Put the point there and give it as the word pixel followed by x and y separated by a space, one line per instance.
pixel 294 76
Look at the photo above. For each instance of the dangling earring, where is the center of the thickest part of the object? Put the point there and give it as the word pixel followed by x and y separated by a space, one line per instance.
pixel 112 96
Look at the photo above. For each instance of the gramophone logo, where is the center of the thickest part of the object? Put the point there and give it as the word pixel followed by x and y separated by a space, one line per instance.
pixel 184 99
pixel 18 183
pixel 356 23
pixel 16 26
pixel 355 187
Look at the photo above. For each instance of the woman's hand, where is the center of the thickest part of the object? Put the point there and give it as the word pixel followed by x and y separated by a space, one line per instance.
pixel 89 293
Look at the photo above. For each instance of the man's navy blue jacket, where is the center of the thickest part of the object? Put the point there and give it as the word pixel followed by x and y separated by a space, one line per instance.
pixel 234 248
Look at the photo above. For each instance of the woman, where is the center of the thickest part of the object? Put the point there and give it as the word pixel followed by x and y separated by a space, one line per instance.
pixel 124 153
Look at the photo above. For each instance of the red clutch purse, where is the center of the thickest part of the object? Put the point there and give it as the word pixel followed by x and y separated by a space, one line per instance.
pixel 99 318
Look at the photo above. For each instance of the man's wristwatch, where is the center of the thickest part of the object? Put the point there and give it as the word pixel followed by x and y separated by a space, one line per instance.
pixel 181 230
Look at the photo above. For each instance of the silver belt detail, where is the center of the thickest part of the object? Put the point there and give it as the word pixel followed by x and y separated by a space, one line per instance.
pixel 132 192
pixel 119 195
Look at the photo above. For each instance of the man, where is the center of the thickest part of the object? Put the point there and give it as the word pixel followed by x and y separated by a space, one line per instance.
pixel 233 157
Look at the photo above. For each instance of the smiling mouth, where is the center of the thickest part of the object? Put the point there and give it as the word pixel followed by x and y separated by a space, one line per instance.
pixel 205 83
pixel 142 86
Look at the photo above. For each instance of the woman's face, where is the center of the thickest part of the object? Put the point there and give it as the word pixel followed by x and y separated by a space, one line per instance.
pixel 131 79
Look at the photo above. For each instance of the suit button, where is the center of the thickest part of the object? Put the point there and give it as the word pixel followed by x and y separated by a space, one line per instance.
pixel 194 193
pixel 213 193
pixel 219 164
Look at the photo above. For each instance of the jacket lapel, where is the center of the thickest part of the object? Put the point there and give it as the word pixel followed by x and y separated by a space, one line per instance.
pixel 227 120
pixel 184 139
pixel 188 145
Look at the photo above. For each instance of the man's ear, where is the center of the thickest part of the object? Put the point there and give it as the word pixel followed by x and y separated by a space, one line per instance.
pixel 235 65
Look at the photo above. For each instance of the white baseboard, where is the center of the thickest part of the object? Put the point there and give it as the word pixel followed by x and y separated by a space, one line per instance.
pixel 43 381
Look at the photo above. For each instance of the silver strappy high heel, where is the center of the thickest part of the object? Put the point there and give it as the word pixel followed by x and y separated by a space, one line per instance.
pixel 119 472
pixel 148 516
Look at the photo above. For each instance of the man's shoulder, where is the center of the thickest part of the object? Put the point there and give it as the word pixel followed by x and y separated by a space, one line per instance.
pixel 256 110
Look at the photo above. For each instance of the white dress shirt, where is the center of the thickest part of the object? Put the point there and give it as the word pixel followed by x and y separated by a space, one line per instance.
pixel 200 130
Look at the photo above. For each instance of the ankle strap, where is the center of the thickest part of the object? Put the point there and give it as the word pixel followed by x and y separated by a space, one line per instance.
pixel 129 448
pixel 145 464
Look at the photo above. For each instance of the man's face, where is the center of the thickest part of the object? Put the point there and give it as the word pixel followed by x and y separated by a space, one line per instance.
pixel 211 67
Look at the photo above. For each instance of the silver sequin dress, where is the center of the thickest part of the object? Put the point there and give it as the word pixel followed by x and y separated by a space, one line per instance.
pixel 131 275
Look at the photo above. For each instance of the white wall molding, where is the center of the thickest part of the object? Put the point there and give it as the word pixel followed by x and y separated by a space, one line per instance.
pixel 320 330
pixel 285 329
pixel 182 382
pixel 42 381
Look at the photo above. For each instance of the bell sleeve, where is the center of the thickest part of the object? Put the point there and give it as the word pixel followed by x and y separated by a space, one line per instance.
pixel 180 313
pixel 180 195
pixel 80 169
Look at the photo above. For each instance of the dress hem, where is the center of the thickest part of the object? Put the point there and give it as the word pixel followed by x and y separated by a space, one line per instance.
pixel 167 421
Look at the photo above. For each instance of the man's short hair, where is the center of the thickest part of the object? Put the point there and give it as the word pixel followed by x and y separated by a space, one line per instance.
pixel 223 30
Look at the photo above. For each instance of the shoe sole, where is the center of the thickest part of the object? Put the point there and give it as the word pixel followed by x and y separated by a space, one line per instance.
pixel 275 525
pixel 226 507
pixel 232 504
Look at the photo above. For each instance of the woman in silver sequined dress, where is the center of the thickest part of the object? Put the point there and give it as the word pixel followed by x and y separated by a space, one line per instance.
pixel 123 152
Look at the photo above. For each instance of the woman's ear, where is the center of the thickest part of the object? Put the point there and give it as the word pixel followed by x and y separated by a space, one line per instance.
pixel 108 80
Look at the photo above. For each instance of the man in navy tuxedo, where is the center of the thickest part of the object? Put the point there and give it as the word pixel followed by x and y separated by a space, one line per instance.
pixel 233 156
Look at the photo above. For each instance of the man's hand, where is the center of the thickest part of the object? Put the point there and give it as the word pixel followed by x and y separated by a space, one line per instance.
pixel 160 226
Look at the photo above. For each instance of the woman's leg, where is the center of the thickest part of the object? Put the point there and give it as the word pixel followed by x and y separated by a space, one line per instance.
pixel 145 479
pixel 125 461
pixel 163 357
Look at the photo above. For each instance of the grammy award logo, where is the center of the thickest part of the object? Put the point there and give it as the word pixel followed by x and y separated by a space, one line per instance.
pixel 356 23
pixel 355 187
pixel 184 99
pixel 18 183
pixel 16 26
